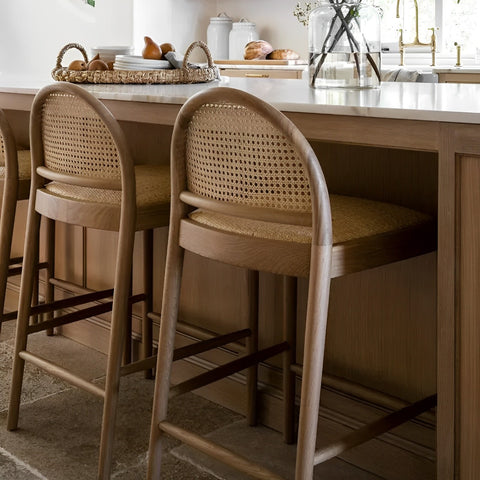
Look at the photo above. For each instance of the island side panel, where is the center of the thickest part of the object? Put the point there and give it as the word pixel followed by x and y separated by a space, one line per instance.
pixel 467 146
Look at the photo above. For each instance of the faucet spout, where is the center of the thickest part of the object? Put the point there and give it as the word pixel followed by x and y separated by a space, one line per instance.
pixel 416 40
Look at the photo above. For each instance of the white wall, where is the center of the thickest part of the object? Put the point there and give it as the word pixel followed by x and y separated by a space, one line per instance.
pixel 274 19
pixel 179 22
pixel 32 32
pixel 183 21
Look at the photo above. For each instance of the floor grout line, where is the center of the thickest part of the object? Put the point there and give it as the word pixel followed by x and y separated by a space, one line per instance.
pixel 22 464
pixel 31 402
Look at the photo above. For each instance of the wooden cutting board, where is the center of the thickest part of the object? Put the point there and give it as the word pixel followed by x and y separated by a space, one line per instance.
pixel 261 62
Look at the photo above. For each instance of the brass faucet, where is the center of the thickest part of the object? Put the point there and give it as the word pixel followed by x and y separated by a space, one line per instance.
pixel 459 62
pixel 416 42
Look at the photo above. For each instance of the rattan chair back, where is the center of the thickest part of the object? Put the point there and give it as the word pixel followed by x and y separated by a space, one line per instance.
pixel 77 142
pixel 75 139
pixel 243 158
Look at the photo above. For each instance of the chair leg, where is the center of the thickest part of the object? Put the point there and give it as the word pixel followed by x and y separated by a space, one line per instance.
pixel 7 222
pixel 36 288
pixel 116 348
pixel 252 346
pixel 315 330
pixel 127 341
pixel 166 344
pixel 26 288
pixel 147 334
pixel 289 357
pixel 50 271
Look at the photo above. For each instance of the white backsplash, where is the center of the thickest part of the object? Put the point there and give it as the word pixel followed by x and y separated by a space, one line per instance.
pixel 183 21
pixel 274 20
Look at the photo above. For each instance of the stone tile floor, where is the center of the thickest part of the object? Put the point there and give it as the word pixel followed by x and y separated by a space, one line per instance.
pixel 59 426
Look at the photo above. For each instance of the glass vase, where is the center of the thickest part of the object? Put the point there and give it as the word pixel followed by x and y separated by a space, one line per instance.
pixel 344 44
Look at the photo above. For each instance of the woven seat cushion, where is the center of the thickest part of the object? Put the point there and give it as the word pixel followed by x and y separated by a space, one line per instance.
pixel 152 186
pixel 352 218
pixel 24 165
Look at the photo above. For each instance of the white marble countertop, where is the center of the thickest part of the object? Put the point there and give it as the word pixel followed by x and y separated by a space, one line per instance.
pixel 447 102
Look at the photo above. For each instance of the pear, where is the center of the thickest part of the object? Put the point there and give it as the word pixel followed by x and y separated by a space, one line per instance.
pixel 151 50
pixel 165 48
pixel 97 65
pixel 78 65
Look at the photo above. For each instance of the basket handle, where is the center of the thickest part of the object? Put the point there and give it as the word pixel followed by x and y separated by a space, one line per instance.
pixel 65 49
pixel 204 47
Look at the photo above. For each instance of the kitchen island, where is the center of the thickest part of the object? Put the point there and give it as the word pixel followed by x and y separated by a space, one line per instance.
pixel 413 144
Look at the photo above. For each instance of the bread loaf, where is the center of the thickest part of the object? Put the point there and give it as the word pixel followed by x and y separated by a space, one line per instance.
pixel 257 50
pixel 283 54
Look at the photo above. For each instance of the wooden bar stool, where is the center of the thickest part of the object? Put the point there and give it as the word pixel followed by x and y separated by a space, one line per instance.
pixel 83 174
pixel 248 190
pixel 15 167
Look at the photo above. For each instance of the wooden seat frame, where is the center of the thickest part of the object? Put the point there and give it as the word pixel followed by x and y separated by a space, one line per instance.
pixel 125 218
pixel 318 260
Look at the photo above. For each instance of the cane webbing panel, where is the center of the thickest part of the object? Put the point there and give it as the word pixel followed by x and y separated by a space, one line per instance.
pixel 235 155
pixel 352 218
pixel 24 165
pixel 76 140
pixel 152 188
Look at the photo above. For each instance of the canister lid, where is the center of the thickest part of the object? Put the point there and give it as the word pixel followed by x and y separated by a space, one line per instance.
pixel 221 18
pixel 243 22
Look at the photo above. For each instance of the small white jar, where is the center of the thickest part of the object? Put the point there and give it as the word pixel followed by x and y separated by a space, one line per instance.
pixel 242 32
pixel 218 32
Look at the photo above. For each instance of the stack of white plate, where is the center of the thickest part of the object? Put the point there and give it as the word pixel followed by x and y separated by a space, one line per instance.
pixel 107 53
pixel 133 62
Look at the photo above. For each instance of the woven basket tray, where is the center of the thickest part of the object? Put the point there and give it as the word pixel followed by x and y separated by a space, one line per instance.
pixel 174 75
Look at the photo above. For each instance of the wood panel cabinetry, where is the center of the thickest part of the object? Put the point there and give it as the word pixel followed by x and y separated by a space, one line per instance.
pixel 262 68
pixel 422 337
pixel 458 75
pixel 263 73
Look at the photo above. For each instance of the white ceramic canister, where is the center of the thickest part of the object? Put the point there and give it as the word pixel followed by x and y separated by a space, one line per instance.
pixel 242 32
pixel 218 32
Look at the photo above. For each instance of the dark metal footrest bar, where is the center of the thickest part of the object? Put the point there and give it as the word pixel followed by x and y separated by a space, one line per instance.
pixel 227 369
pixel 374 429
pixel 365 393
pixel 17 270
pixel 78 315
pixel 70 317
pixel 193 331
pixel 218 452
pixel 187 351
pixel 138 366
pixel 15 261
pixel 60 372
pixel 8 316
pixel 70 302
pixel 72 287
pixel 206 345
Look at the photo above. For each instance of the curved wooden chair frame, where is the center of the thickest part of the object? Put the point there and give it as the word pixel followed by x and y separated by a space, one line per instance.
pixel 126 218
pixel 319 259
